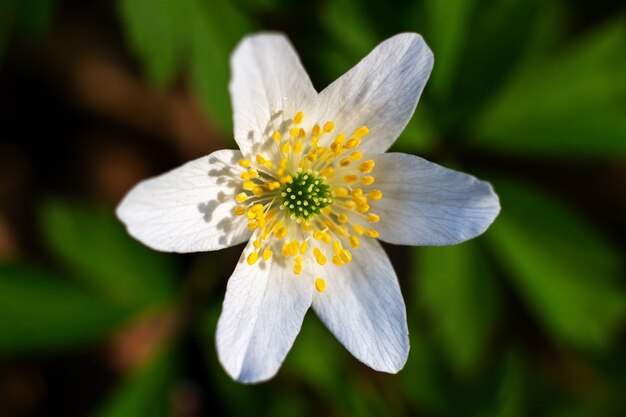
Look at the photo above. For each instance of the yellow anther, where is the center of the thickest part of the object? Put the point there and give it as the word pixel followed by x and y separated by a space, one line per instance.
pixel 293 247
pixel 286 250
pixel 375 195
pixel 301 134
pixel 316 131
pixel 285 148
pixel 366 166
pixel 337 247
pixel 354 242
pixel 273 185
pixel 253 257
pixel 307 226
pixel 293 132
pixel 297 269
pixel 350 205
pixel 257 208
pixel 239 211
pixel 340 138
pixel 342 218
pixel 318 235
pixel 244 163
pixel 329 127
pixel 357 192
pixel 281 232
pixel 342 231
pixel 360 200
pixel 326 210
pixel 303 247
pixel 350 178
pixel 336 147
pixel 253 173
pixel 319 256
pixel 371 233
pixel 320 284
pixel 373 218
pixel 340 192
pixel 352 143
pixel 297 148
pixel 252 224
pixel 358 229
pixel 287 179
pixel 248 185
pixel 257 191
pixel 367 180
pixel 270 214
pixel 284 162
pixel 262 223
pixel 345 162
pixel 337 260
pixel 356 155
pixel 277 136
pixel 345 255
pixel 245 176
pixel 326 238
pixel 257 243
pixel 297 119
pixel 360 132
pixel 250 214
pixel 363 208
pixel 259 159
pixel 241 197
pixel 267 254
pixel 327 172
pixel 268 164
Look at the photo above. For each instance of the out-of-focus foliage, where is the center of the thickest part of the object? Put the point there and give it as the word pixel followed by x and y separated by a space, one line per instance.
pixel 195 35
pixel 527 320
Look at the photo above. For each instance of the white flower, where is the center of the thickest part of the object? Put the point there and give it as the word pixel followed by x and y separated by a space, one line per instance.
pixel 312 190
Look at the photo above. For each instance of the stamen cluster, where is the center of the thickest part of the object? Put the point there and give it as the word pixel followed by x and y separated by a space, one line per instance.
pixel 312 193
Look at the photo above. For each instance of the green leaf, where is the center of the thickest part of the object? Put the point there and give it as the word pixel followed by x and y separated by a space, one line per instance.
pixel 34 17
pixel 100 253
pixel 458 290
pixel 174 35
pixel 446 24
pixel 40 312
pixel 572 103
pixel 565 270
pixel 147 392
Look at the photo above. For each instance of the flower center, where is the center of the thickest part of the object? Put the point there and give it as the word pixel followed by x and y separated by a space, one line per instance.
pixel 306 195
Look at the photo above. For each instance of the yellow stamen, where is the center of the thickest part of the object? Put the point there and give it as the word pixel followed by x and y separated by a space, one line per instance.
pixel 277 136
pixel 367 180
pixel 342 218
pixel 248 185
pixel 252 258
pixel 244 163
pixel 285 148
pixel 294 132
pixel 354 242
pixel 366 166
pixel 257 191
pixel 320 284
pixel 350 178
pixel 241 197
pixel 239 211
pixel 352 143
pixel 361 131
pixel 373 218
pixel 340 192
pixel 329 127
pixel 319 256
pixel 297 119
pixel 316 131
pixel 375 195
pixel 257 243
pixel 267 254
pixel 371 233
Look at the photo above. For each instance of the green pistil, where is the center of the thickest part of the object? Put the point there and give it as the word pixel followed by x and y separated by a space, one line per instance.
pixel 306 195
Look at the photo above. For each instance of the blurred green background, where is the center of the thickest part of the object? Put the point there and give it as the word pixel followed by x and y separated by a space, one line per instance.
pixel 527 320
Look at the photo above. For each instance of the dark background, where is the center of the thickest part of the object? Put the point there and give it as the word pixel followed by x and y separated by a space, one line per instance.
pixel 528 319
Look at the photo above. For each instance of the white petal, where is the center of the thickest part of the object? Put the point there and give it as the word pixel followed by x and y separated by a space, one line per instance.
pixel 188 209
pixel 363 307
pixel 262 314
pixel 380 92
pixel 426 204
pixel 268 86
